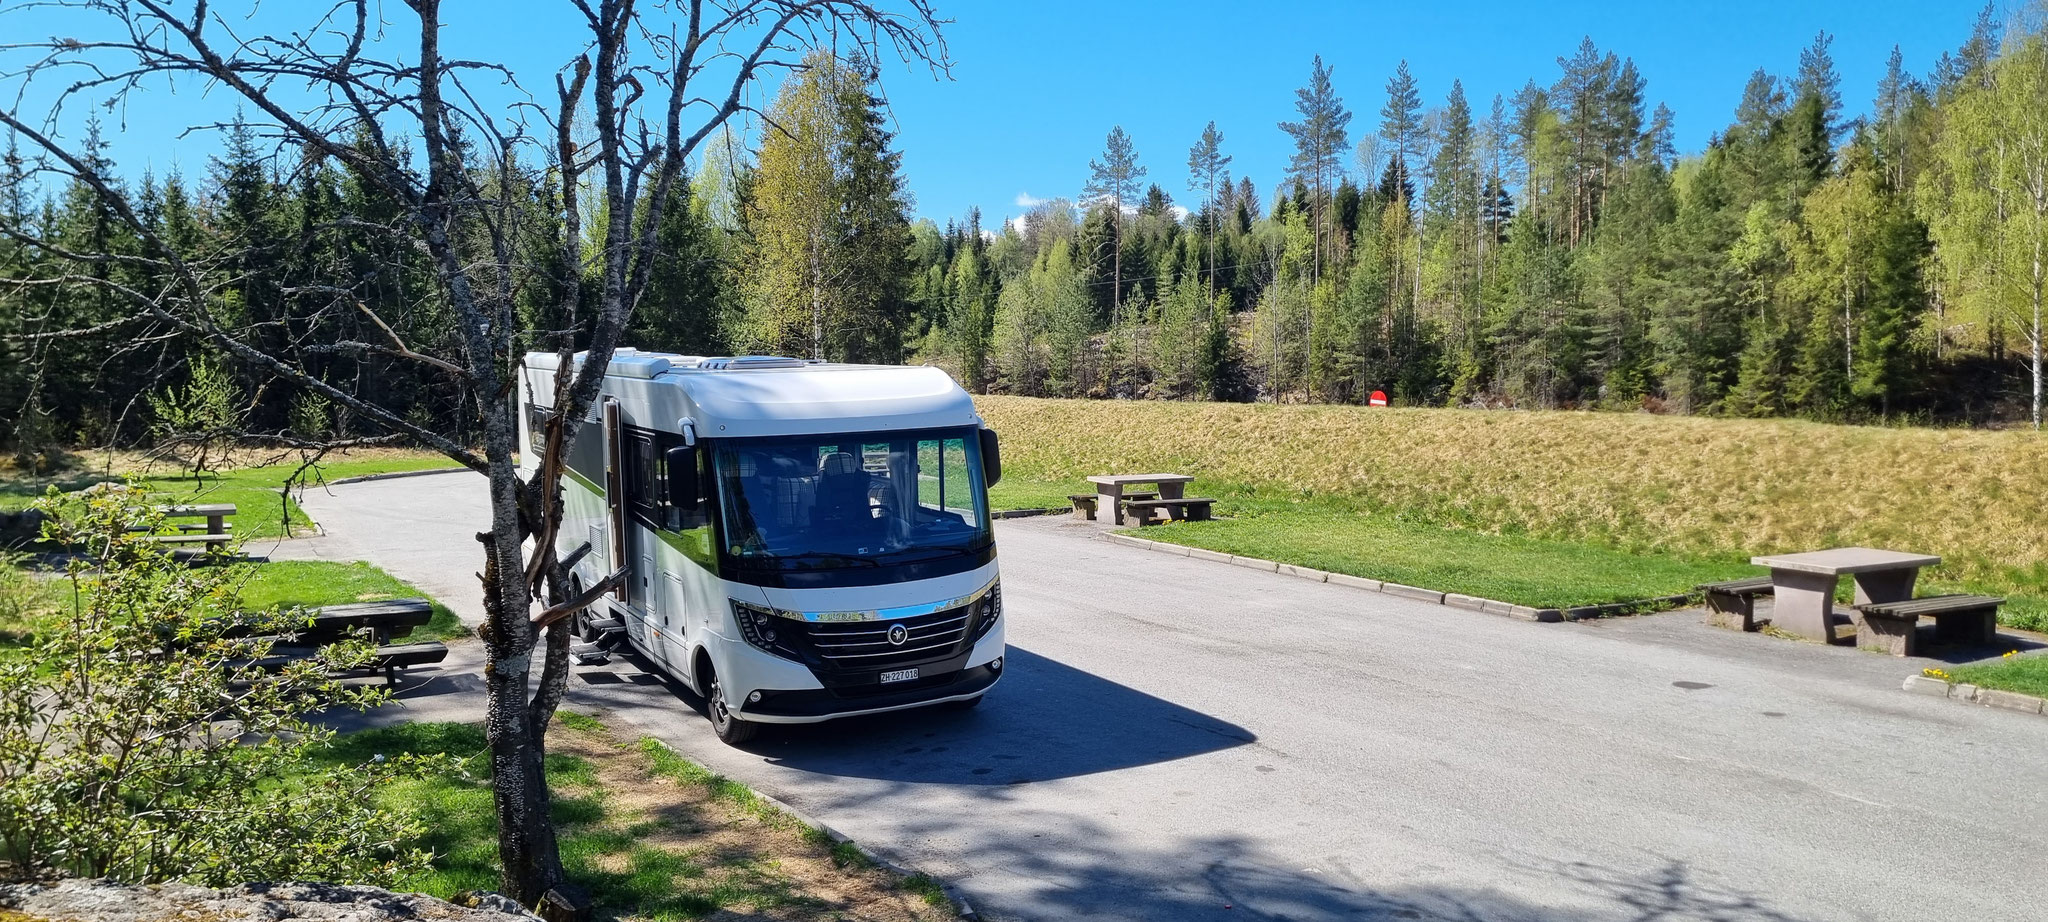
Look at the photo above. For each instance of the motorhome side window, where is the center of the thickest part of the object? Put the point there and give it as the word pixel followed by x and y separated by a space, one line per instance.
pixel 647 484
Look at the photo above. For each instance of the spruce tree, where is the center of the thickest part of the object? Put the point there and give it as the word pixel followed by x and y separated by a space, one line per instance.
pixel 1401 121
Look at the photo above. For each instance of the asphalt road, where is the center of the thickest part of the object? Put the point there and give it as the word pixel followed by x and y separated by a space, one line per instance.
pixel 1185 740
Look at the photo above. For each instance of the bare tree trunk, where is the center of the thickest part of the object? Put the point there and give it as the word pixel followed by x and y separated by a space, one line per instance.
pixel 2035 337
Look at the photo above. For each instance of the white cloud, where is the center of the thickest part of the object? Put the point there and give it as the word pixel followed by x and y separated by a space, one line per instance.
pixel 1179 213
pixel 1027 200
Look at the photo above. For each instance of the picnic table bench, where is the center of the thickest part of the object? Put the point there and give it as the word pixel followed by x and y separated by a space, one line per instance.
pixel 378 622
pixel 1189 508
pixel 1732 604
pixel 1894 627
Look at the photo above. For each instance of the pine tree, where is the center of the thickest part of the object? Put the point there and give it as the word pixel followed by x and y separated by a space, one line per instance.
pixel 1888 113
pixel 1112 181
pixel 1320 139
pixel 1208 171
pixel 1583 95
pixel 1531 120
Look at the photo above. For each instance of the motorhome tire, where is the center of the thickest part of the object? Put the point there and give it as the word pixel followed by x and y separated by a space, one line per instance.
pixel 731 730
pixel 580 621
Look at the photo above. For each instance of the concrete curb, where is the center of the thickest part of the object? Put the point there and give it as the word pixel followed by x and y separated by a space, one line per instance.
pixel 1447 599
pixel 960 905
pixel 394 475
pixel 1022 513
pixel 1967 693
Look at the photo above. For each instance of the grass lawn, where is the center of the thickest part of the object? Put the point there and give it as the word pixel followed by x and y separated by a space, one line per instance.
pixel 1521 570
pixel 650 835
pixel 260 512
pixel 1668 496
pixel 2027 675
pixel 1334 533
pixel 27 603
pixel 1020 493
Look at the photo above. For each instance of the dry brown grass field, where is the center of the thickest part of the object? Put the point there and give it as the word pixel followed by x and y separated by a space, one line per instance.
pixel 1638 482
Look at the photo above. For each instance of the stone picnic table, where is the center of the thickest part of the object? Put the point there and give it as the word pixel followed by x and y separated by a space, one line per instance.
pixel 1804 584
pixel 1111 488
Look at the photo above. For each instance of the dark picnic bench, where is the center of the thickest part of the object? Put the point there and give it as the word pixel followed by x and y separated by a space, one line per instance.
pixel 1186 508
pixel 1732 604
pixel 378 622
pixel 1894 627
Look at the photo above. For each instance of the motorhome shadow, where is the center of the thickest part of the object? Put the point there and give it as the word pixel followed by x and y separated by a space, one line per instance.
pixel 795 541
pixel 1025 735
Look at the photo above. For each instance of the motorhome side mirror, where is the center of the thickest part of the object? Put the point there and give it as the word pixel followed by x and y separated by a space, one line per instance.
pixel 682 476
pixel 991 458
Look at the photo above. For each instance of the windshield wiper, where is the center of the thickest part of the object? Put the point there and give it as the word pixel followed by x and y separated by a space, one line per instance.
pixel 943 550
pixel 827 556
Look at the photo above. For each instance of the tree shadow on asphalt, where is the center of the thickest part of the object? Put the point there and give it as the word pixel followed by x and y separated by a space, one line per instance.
pixel 1044 720
pixel 1081 877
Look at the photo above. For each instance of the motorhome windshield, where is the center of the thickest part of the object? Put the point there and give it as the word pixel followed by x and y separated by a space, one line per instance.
pixel 855 500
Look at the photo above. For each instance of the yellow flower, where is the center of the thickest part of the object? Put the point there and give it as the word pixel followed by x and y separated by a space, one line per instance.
pixel 2009 654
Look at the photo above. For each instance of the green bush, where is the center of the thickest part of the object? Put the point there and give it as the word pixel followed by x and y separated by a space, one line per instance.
pixel 141 739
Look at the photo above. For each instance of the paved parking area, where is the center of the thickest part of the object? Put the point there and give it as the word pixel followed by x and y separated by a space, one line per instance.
pixel 1183 740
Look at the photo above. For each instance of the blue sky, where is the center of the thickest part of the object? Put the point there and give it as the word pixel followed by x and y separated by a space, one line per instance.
pixel 1037 85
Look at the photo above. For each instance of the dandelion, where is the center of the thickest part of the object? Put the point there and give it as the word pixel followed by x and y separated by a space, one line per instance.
pixel 2009 654
pixel 1935 674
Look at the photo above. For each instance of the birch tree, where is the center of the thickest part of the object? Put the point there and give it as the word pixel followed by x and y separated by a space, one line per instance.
pixel 1989 215
pixel 371 89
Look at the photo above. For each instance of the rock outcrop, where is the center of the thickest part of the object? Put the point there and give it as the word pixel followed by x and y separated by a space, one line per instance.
pixel 104 901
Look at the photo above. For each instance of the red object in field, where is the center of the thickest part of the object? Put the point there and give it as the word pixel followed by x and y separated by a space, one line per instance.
pixel 1379 398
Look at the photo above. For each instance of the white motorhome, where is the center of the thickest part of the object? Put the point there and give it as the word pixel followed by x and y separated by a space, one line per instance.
pixel 801 540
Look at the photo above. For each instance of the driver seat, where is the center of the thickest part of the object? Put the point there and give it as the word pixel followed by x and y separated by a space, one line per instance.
pixel 842 491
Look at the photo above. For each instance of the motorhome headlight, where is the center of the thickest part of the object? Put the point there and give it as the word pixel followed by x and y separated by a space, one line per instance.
pixel 989 608
pixel 760 627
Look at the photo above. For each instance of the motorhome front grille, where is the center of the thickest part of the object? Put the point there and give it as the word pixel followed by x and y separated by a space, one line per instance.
pixel 851 645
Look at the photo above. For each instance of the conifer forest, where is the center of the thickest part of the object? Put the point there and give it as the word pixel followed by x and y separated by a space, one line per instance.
pixel 1848 253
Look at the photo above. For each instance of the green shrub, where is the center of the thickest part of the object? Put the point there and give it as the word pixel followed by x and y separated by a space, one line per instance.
pixel 141 740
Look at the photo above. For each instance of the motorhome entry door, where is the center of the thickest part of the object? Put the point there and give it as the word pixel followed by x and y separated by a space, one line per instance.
pixel 615 499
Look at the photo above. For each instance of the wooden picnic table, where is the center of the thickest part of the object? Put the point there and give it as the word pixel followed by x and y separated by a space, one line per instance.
pixel 1111 487
pixel 216 515
pixel 214 534
pixel 1804 584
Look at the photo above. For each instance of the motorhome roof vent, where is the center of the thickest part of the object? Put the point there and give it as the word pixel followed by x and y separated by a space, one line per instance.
pixel 629 363
pixel 751 363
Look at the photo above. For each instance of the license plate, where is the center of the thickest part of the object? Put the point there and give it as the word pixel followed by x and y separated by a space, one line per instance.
pixel 900 675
